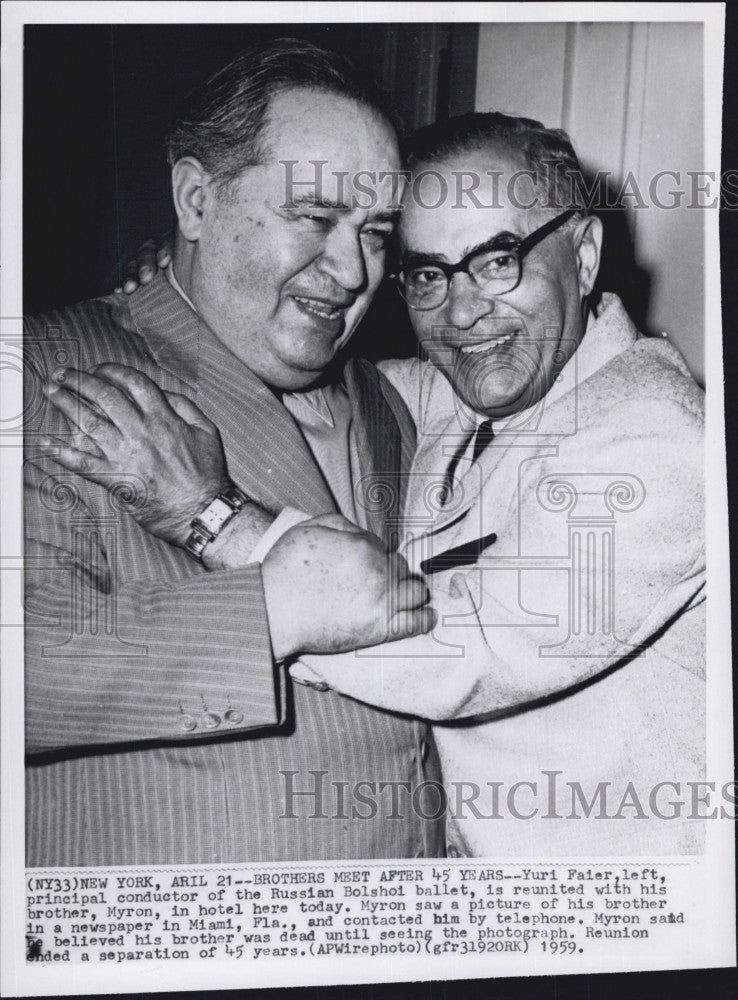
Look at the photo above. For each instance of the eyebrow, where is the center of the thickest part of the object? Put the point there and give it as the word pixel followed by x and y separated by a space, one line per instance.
pixel 503 239
pixel 308 200
pixel 313 201
pixel 391 215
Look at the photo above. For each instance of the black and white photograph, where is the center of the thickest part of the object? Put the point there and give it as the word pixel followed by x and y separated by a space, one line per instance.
pixel 363 377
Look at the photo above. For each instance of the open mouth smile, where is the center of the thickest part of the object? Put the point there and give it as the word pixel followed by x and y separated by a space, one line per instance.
pixel 320 308
pixel 487 346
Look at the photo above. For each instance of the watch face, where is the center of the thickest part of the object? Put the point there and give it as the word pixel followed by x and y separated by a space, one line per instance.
pixel 214 516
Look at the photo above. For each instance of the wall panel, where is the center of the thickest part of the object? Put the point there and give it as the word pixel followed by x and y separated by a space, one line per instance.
pixel 630 95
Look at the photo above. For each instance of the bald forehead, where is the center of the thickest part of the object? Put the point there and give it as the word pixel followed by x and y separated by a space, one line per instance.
pixel 305 116
pixel 466 200
pixel 492 154
pixel 493 174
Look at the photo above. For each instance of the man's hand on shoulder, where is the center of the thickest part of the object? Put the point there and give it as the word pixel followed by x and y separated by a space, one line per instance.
pixel 131 431
pixel 330 586
pixel 151 257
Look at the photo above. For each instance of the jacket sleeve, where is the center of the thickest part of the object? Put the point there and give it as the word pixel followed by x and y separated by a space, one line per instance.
pixel 569 606
pixel 109 659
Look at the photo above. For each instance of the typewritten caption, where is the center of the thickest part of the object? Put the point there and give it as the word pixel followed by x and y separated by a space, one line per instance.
pixel 111 917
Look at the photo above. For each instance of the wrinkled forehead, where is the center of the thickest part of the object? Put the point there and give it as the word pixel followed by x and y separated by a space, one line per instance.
pixel 466 198
pixel 331 145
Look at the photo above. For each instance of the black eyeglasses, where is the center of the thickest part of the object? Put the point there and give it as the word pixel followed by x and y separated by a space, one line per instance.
pixel 496 271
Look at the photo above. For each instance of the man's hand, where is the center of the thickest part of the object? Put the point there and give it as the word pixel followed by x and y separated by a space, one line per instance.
pixel 331 587
pixel 151 256
pixel 129 427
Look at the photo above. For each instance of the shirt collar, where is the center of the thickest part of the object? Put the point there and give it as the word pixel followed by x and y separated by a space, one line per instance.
pixel 172 279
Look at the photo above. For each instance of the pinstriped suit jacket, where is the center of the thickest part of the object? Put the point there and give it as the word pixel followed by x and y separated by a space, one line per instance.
pixel 127 636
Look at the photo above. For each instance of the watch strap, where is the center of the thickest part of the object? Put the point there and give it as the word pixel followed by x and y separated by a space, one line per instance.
pixel 209 523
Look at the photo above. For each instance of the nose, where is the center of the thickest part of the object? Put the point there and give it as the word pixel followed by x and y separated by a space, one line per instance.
pixel 465 304
pixel 343 259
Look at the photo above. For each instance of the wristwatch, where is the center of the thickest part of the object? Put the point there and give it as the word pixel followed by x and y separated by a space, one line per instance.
pixel 210 522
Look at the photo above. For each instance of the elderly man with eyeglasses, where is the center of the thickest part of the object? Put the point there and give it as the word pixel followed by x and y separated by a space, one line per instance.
pixel 556 505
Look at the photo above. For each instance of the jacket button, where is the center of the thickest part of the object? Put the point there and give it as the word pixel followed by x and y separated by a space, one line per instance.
pixel 233 717
pixel 453 851
pixel 210 720
pixel 187 723
pixel 319 686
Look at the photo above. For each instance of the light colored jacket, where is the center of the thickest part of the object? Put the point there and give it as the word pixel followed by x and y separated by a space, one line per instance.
pixel 577 637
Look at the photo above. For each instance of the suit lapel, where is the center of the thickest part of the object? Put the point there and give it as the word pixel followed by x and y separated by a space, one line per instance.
pixel 379 491
pixel 267 454
pixel 430 469
pixel 488 486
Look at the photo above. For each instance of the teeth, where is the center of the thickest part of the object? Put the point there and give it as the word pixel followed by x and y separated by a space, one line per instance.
pixel 319 308
pixel 488 345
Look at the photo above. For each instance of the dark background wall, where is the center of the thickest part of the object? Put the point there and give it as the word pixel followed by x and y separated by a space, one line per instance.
pixel 100 98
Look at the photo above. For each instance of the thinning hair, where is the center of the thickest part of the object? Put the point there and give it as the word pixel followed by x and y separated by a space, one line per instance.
pixel 223 120
pixel 547 152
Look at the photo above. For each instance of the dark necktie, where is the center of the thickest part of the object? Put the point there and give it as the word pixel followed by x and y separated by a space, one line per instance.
pixel 483 436
pixel 467 554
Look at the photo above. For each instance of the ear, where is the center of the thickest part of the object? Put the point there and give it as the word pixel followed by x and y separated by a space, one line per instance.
pixel 189 180
pixel 588 241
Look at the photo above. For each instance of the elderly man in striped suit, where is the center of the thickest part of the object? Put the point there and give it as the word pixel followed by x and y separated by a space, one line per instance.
pixel 161 723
